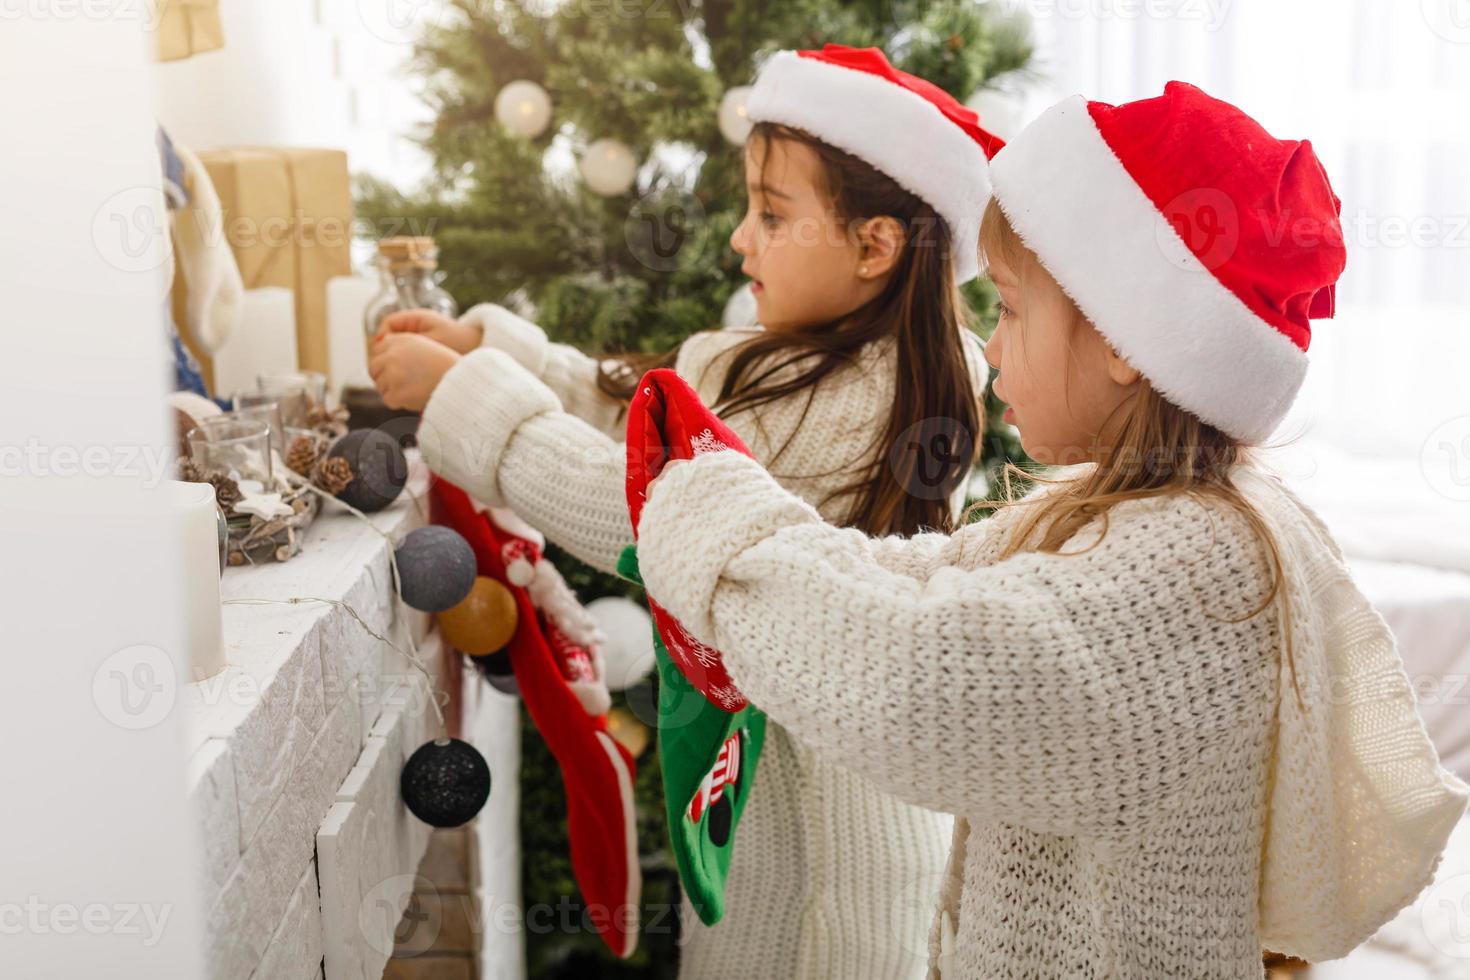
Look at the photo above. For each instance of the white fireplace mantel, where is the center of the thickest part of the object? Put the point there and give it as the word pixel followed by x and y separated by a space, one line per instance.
pixel 294 754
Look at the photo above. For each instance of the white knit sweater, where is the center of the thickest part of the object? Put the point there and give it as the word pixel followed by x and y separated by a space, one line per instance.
pixel 1138 797
pixel 831 877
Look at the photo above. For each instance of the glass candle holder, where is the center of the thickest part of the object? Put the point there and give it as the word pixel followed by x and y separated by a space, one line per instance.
pixel 265 408
pixel 297 392
pixel 233 447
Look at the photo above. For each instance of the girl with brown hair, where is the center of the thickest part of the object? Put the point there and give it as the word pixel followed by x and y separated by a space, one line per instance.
pixel 866 187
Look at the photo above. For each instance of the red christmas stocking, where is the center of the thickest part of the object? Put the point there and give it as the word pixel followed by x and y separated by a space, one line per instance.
pixel 666 420
pixel 596 770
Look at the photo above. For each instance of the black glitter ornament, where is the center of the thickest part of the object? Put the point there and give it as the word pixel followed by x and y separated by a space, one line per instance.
pixel 436 568
pixel 445 782
pixel 379 468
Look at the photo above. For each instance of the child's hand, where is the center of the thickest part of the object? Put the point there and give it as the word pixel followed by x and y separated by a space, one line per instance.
pixel 407 367
pixel 456 336
pixel 668 465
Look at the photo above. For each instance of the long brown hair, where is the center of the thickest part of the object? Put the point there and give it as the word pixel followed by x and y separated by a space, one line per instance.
pixel 929 443
pixel 1158 449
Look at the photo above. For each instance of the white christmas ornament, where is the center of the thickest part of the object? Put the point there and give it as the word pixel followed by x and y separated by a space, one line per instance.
pixel 628 652
pixel 524 108
pixel 735 124
pixel 609 167
pixel 739 309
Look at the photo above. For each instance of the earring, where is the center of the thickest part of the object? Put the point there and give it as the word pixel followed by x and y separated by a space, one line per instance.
pixel 862 270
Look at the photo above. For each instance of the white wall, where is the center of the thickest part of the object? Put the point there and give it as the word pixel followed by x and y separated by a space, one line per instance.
pixel 306 73
pixel 95 854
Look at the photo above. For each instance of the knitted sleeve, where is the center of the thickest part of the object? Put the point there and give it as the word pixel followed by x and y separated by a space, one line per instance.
pixel 570 374
pixel 501 434
pixel 1064 692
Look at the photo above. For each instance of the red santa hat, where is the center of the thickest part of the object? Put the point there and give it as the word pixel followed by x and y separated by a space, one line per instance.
pixel 905 127
pixel 1197 243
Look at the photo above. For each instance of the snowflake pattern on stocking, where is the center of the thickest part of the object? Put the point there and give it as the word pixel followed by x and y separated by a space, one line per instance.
pixel 706 656
pixel 706 442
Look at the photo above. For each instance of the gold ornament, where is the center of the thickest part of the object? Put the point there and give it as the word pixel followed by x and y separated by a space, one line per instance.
pixel 628 731
pixel 483 622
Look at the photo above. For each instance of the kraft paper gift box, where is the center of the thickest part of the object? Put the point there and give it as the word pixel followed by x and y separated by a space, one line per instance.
pixel 287 216
pixel 187 27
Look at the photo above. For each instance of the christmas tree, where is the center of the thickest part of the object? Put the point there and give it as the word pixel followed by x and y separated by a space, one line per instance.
pixel 607 221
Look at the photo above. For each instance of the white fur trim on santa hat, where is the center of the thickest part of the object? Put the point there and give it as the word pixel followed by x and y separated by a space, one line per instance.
pixel 899 132
pixel 1072 202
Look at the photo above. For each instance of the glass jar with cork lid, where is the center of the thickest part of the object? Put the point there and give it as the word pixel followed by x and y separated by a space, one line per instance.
pixel 409 270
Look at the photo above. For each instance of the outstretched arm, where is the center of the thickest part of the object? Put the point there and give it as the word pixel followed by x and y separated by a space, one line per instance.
pixel 1043 689
pixel 570 374
pixel 500 434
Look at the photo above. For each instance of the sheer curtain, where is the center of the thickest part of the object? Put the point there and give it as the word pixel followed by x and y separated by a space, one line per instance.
pixel 1383 92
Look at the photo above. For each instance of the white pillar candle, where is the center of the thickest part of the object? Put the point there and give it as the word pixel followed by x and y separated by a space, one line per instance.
pixel 347 300
pixel 193 511
pixel 263 343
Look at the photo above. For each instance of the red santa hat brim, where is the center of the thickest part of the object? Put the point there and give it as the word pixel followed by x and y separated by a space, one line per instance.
pixel 896 130
pixel 1115 254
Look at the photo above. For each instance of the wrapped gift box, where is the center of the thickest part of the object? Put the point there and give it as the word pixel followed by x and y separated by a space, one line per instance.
pixel 288 220
pixel 187 27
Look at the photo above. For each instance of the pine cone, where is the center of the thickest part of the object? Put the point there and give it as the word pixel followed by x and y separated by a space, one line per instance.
pixel 226 492
pixel 333 474
pixel 301 455
pixel 332 421
pixel 189 471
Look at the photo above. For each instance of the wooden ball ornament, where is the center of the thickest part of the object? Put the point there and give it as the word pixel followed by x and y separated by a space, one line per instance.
pixel 484 622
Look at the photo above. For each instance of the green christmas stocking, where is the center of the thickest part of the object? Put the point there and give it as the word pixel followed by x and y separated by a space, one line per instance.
pixel 708 757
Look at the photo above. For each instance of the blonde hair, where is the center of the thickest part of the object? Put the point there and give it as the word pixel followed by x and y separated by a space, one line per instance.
pixel 1159 449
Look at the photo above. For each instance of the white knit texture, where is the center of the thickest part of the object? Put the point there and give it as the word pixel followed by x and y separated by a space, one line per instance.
pixel 821 853
pixel 1102 721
